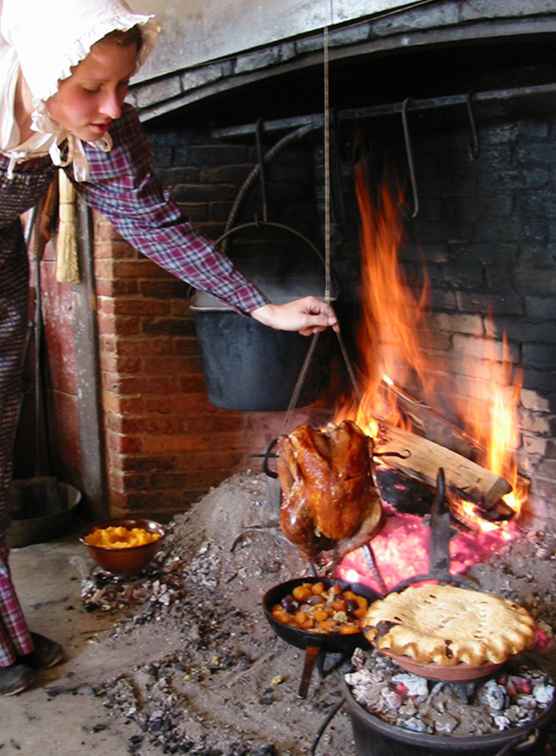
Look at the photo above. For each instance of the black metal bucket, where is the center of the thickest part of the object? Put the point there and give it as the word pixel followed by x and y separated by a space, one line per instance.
pixel 248 366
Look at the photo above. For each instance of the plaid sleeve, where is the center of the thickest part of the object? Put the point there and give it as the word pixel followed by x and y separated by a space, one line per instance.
pixel 123 188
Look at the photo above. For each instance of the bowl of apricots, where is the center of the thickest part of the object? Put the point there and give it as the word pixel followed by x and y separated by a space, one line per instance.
pixel 318 611
pixel 125 546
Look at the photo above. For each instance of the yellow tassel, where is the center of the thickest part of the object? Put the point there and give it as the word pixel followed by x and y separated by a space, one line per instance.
pixel 67 267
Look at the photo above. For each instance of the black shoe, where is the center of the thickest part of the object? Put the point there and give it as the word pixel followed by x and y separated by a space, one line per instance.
pixel 46 653
pixel 16 679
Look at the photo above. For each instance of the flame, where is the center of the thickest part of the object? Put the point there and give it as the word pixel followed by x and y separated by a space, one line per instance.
pixel 498 434
pixel 391 339
pixel 392 316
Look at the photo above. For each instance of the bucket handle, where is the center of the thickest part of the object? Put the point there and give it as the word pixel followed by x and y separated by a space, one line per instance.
pixel 269 224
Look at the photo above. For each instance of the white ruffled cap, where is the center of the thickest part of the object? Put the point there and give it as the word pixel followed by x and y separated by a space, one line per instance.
pixel 52 36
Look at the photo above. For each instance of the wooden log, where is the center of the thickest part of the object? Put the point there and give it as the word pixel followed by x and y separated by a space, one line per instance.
pixel 424 457
pixel 434 426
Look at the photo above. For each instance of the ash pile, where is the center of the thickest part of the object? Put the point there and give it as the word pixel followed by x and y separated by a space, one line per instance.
pixel 211 678
pixel 216 680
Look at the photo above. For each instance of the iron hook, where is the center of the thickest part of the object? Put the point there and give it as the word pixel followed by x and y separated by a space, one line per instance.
pixel 474 149
pixel 409 153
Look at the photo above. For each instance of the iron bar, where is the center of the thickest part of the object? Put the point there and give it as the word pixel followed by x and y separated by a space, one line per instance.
pixel 316 121
pixel 262 177
pixel 474 149
pixel 410 161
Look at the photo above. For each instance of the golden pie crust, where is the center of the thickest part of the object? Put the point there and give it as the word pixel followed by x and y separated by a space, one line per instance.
pixel 445 625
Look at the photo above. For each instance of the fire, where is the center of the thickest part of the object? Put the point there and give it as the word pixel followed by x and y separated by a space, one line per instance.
pixel 394 346
pixel 392 317
pixel 498 436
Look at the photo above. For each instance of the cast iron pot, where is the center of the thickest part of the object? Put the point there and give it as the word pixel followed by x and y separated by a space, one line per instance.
pixel 315 644
pixel 249 366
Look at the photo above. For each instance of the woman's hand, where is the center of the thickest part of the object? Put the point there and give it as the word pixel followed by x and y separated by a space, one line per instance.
pixel 308 316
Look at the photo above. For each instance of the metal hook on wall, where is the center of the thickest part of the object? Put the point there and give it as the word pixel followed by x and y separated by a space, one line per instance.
pixel 411 164
pixel 474 149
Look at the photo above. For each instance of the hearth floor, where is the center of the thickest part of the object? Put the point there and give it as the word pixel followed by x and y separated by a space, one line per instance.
pixel 205 664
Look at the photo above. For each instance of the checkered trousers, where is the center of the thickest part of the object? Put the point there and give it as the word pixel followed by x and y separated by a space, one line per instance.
pixel 15 638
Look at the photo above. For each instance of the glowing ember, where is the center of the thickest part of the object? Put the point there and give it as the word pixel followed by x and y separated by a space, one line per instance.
pixel 401 551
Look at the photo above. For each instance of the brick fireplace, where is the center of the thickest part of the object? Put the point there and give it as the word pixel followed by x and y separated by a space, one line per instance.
pixel 485 231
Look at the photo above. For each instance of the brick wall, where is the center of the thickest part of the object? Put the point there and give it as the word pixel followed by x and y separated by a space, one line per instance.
pixel 166 444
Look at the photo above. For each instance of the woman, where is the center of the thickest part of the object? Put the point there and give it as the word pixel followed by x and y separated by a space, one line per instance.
pixel 65 67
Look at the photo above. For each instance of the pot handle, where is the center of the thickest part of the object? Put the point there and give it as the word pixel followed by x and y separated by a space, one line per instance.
pixel 523 744
pixel 311 655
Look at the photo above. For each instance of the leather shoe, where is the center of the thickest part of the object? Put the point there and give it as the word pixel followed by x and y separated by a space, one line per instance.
pixel 46 653
pixel 15 679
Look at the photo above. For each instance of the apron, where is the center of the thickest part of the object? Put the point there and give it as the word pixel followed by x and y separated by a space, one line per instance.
pixel 17 195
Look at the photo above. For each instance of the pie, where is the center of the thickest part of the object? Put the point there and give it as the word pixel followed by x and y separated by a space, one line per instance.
pixel 441 624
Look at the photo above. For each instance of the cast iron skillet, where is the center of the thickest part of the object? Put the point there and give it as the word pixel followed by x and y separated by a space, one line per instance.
pixel 314 643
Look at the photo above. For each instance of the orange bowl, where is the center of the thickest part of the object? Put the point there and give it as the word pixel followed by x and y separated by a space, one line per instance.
pixel 130 560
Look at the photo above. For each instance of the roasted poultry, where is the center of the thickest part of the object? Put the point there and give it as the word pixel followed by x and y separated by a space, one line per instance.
pixel 329 500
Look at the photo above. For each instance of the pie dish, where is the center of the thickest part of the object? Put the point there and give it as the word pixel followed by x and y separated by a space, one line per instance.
pixel 445 625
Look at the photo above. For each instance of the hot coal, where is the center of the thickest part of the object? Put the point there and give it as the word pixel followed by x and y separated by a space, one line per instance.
pixel 515 698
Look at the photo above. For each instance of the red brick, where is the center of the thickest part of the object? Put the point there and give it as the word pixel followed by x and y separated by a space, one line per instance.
pixel 142 268
pixel 147 464
pixel 108 343
pixel 213 460
pixel 193 384
pixel 179 308
pixel 160 326
pixel 118 325
pixel 139 384
pixel 110 288
pixel 145 347
pixel 113 363
pixel 155 365
pixel 104 269
pixel 105 232
pixel 116 250
pixel 201 442
pixel 140 306
pixel 128 483
pixel 169 480
pixel 170 289
pixel 179 403
pixel 145 425
pixel 124 444
pixel 149 502
pixel 122 405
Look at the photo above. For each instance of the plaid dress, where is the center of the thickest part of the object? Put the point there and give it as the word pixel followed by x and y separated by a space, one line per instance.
pixel 121 185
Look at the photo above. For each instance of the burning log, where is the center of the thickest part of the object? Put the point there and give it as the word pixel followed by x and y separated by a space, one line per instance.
pixel 432 425
pixel 423 458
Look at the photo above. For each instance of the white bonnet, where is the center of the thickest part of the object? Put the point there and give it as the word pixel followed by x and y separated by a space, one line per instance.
pixel 51 36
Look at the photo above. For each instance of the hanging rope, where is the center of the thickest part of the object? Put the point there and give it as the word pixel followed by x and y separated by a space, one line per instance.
pixel 326 146
pixel 327 198
pixel 327 239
